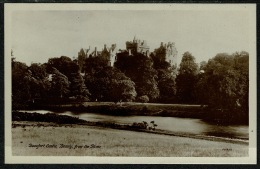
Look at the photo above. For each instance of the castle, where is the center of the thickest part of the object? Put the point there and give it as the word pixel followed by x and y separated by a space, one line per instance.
pixel 137 46
pixel 109 54
pixel 166 52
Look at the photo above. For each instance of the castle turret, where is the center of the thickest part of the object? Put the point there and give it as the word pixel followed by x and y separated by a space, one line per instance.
pixel 81 59
pixel 137 46
pixel 167 52
pixel 95 52
pixel 112 55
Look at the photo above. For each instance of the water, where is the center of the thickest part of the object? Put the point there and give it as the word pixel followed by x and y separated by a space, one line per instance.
pixel 174 124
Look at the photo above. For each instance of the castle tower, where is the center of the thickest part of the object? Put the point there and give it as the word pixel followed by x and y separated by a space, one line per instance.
pixel 81 59
pixel 167 52
pixel 137 46
pixel 112 55
pixel 105 53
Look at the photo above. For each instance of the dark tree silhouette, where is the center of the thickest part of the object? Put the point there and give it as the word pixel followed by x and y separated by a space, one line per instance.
pixel 186 79
pixel 139 68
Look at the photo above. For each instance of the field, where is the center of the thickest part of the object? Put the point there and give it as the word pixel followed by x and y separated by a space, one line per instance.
pixel 81 140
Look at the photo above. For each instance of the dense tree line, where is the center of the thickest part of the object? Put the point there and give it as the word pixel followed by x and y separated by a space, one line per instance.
pixel 222 83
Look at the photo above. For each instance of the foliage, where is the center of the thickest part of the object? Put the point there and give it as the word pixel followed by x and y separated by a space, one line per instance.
pixel 166 78
pixel 159 63
pixel 49 117
pixel 41 84
pixel 70 69
pixel 20 89
pixel 59 84
pixel 28 83
pixel 188 64
pixel 166 85
pixel 143 99
pixel 94 64
pixel 222 83
pixel 109 84
pixel 144 125
pixel 225 83
pixel 186 79
pixel 203 65
pixel 138 68
pixel 64 65
pixel 78 88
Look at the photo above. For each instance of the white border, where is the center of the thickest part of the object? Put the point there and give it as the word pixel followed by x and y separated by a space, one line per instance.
pixel 251 8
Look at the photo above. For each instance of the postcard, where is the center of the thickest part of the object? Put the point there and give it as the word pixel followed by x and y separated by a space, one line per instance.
pixel 130 83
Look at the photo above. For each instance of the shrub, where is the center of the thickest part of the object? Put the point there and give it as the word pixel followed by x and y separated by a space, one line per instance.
pixel 145 109
pixel 143 99
pixel 80 98
pixel 142 125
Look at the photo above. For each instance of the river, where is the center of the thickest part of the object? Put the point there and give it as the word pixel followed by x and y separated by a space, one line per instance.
pixel 173 124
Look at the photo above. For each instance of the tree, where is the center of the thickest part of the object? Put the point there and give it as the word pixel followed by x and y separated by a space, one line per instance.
pixel 218 74
pixel 242 66
pixel 109 84
pixel 186 79
pixel 143 99
pixel 20 88
pixel 203 65
pixel 64 65
pixel 166 85
pixel 188 64
pixel 224 84
pixel 78 88
pixel 70 69
pixel 159 63
pixel 139 68
pixel 40 83
pixel 28 83
pixel 59 84
pixel 123 90
pixel 166 78
pixel 94 64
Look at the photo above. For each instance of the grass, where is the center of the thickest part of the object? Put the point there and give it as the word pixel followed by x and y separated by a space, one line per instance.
pixel 113 142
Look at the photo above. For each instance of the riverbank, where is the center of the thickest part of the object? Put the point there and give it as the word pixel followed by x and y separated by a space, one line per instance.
pixel 53 139
pixel 127 108
pixel 148 109
pixel 135 126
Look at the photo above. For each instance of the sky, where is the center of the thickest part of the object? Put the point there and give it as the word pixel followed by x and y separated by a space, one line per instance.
pixel 40 35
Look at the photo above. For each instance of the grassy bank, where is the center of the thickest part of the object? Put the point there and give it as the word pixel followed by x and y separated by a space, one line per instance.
pixel 96 141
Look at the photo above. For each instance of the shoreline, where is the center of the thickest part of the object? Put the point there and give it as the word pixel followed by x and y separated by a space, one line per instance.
pixel 145 109
pixel 138 127
pixel 127 108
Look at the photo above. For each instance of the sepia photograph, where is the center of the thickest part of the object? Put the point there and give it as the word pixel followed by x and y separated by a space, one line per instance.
pixel 130 83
